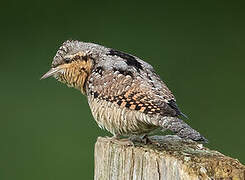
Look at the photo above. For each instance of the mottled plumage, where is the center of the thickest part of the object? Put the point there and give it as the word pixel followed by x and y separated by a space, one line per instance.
pixel 124 93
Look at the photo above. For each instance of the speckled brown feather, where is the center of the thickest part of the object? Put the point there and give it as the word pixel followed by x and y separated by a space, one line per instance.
pixel 124 93
pixel 130 91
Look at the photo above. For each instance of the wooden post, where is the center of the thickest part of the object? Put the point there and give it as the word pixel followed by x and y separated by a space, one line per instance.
pixel 170 159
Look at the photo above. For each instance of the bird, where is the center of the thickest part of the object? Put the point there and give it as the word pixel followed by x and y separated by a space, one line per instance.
pixel 125 94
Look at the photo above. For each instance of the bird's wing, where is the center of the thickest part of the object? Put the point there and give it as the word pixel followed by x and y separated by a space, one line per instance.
pixel 142 91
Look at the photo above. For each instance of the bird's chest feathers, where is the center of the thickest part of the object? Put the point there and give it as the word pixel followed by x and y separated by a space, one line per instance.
pixel 117 120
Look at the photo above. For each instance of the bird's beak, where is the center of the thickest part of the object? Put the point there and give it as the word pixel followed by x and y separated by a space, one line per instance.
pixel 51 72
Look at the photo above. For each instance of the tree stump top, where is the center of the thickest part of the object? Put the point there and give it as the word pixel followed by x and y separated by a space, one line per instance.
pixel 170 158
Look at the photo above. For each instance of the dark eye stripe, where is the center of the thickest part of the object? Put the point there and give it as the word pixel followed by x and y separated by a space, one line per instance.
pixel 76 57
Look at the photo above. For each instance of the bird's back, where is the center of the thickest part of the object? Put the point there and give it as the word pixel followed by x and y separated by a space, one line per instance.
pixel 126 96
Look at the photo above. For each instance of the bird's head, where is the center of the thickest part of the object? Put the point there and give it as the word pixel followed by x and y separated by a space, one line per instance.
pixel 72 64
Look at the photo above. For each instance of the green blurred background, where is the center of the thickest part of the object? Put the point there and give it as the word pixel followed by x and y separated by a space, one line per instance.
pixel 47 131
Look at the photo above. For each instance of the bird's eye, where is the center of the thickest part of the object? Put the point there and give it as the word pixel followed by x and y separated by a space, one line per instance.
pixel 67 60
pixel 76 57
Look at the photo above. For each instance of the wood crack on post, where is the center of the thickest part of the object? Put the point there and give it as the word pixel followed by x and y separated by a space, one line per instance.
pixel 173 158
pixel 158 170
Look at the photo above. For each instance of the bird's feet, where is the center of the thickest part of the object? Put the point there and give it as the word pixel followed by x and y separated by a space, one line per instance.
pixel 144 140
pixel 140 139
pixel 133 139
pixel 122 142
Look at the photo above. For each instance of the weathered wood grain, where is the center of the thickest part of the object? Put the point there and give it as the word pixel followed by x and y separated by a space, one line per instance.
pixel 172 158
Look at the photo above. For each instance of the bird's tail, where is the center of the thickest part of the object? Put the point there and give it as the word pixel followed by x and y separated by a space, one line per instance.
pixel 180 128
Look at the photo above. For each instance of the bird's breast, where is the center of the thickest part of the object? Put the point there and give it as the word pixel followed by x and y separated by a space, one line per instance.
pixel 119 120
